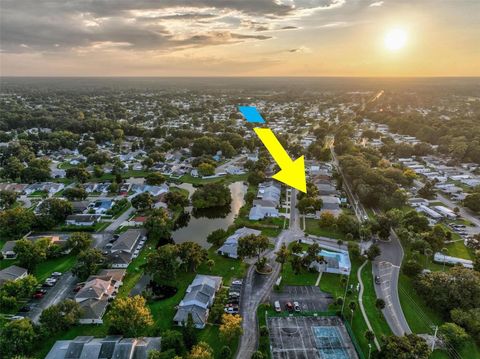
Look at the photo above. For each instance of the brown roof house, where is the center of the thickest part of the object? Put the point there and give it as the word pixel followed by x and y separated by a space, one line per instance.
pixel 96 293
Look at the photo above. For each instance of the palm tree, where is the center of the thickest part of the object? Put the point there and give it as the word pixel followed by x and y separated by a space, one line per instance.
pixel 210 264
pixel 380 304
pixel 282 254
pixel 339 242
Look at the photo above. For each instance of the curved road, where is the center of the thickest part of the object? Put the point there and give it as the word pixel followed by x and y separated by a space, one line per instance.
pixel 362 308
pixel 386 266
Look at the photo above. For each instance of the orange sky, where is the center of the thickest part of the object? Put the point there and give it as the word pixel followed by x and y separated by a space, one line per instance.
pixel 238 38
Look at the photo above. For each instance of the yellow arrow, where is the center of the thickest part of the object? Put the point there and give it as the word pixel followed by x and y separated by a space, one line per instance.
pixel 292 173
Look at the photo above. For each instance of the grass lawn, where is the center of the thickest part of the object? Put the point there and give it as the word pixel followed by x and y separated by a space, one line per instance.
pixel 61 264
pixel 312 226
pixel 303 278
pixel 44 269
pixel 263 340
pixel 210 334
pixel 375 316
pixel 459 250
pixel 421 318
pixel 226 179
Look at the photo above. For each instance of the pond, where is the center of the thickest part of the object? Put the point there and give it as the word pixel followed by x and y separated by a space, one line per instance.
pixel 197 229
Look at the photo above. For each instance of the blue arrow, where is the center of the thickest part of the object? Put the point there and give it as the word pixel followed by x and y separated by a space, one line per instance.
pixel 251 114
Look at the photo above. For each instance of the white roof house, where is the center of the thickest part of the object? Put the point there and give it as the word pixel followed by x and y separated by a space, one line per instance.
pixel 198 299
pixel 230 247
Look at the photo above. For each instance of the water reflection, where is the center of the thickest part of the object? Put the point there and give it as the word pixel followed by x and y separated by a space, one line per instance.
pixel 200 223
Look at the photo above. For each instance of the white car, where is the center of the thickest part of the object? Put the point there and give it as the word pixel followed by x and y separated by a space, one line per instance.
pixel 296 306
pixel 56 274
pixel 278 308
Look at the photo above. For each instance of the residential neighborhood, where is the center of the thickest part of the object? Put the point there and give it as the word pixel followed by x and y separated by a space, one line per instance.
pixel 161 231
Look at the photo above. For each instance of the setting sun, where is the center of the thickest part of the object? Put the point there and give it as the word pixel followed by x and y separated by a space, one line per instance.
pixel 395 39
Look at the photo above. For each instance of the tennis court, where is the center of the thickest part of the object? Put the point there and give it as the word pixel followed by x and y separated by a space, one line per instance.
pixel 309 337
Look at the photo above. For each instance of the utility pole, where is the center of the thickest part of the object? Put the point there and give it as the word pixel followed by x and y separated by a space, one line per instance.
pixel 345 294
pixel 434 337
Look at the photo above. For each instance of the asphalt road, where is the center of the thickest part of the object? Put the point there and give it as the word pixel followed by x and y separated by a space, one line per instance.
pixel 387 267
pixel 61 290
pixel 256 287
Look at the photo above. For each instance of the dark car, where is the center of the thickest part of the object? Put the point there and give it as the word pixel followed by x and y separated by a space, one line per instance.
pixel 38 295
pixel 289 306
pixel 377 279
pixel 26 308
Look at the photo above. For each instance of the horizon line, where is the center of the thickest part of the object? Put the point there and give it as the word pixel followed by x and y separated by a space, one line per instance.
pixel 240 77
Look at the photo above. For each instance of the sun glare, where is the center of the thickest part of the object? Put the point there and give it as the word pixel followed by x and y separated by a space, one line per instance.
pixel 395 39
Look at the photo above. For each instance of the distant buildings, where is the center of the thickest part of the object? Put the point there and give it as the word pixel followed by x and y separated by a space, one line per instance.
pixel 267 202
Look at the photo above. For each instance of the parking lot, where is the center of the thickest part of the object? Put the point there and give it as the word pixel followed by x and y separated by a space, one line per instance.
pixel 309 337
pixel 309 298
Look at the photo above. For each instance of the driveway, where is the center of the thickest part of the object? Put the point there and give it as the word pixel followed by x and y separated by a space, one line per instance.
pixel 118 222
pixel 309 297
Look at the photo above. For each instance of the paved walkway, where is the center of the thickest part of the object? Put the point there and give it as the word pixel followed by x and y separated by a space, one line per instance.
pixel 360 301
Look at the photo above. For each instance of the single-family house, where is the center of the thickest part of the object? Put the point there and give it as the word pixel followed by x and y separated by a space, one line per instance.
pixel 121 253
pixel 198 300
pixel 7 250
pixel 101 206
pixel 230 246
pixel 82 219
pixel 94 296
pixel 12 273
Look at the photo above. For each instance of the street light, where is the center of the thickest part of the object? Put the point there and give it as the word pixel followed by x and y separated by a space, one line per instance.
pixel 369 349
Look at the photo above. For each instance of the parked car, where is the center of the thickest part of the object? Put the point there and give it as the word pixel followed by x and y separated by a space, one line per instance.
pixel 26 308
pixel 38 295
pixel 48 284
pixel 231 310
pixel 377 279
pixel 296 305
pixel 277 306
pixel 289 306
pixel 237 282
pixel 56 274
pixel 17 317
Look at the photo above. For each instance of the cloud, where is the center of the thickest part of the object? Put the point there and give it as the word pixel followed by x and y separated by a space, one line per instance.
pixel 58 25
pixel 376 4
pixel 301 49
